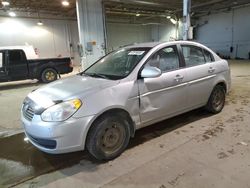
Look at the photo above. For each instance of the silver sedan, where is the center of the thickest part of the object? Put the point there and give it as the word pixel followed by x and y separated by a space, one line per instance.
pixel 101 108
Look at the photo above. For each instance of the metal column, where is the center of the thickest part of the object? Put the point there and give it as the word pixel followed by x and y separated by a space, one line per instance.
pixel 91 31
pixel 186 18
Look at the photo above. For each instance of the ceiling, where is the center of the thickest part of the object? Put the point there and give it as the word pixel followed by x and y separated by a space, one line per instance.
pixel 157 9
pixel 41 8
pixel 123 9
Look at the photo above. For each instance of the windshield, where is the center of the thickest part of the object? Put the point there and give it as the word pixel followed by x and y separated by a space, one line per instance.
pixel 118 64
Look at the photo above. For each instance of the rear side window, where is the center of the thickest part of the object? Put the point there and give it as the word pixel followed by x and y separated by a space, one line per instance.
pixel 1 59
pixel 193 56
pixel 16 56
pixel 208 56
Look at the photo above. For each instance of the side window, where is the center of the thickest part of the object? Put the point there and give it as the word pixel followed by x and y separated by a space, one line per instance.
pixel 165 59
pixel 1 59
pixel 208 56
pixel 193 56
pixel 15 56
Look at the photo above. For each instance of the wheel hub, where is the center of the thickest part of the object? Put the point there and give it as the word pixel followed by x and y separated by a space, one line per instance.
pixel 112 138
pixel 218 98
pixel 50 76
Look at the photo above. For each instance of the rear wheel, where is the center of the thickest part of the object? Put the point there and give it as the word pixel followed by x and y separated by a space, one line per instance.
pixel 49 75
pixel 216 101
pixel 108 137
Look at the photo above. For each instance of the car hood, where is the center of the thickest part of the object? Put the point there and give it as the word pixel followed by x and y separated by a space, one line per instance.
pixel 73 87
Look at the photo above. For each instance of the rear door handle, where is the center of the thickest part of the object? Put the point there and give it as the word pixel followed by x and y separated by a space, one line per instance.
pixel 178 78
pixel 211 69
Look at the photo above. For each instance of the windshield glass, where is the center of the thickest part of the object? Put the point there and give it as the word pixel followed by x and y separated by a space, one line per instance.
pixel 118 64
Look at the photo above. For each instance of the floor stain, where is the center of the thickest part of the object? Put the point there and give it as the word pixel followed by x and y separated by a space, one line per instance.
pixel 215 129
pixel 20 160
pixel 231 151
pixel 175 181
pixel 222 155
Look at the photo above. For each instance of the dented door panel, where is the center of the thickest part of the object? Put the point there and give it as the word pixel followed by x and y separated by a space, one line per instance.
pixel 163 95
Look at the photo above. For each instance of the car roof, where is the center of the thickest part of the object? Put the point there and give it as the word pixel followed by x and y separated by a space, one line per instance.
pixel 154 44
pixel 144 45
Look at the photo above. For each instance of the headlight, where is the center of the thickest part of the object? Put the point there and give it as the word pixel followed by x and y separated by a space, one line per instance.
pixel 62 111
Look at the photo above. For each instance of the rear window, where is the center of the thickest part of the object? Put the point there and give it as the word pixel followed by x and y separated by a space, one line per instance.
pixel 15 55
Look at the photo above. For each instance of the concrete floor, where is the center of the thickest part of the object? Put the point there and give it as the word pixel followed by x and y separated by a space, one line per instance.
pixel 196 149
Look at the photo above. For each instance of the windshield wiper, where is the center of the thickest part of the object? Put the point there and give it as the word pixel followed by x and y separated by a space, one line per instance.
pixel 97 75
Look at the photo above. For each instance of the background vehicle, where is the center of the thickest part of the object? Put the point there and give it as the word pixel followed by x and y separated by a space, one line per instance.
pixel 14 66
pixel 131 88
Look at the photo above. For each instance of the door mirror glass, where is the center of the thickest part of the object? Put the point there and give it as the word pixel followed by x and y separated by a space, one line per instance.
pixel 150 72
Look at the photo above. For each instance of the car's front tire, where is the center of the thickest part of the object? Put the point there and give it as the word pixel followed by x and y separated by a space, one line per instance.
pixel 216 100
pixel 108 137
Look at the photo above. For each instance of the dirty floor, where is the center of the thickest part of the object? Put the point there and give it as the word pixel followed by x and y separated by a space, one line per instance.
pixel 195 149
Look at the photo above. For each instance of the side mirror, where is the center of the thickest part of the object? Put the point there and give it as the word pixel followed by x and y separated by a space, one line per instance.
pixel 150 72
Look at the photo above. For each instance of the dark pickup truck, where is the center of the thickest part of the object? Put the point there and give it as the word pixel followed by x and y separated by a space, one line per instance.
pixel 15 66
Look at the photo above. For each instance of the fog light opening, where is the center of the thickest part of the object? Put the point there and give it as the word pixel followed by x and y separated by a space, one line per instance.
pixel 26 139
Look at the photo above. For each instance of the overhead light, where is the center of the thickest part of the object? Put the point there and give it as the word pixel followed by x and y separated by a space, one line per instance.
pixel 40 23
pixel 5 3
pixel 65 3
pixel 168 17
pixel 12 14
pixel 173 21
pixel 137 14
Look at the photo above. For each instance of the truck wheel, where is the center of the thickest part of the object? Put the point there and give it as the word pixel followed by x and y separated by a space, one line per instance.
pixel 49 75
pixel 108 137
pixel 216 101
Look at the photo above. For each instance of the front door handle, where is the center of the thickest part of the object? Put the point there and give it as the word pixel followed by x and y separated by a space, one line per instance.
pixel 211 69
pixel 178 78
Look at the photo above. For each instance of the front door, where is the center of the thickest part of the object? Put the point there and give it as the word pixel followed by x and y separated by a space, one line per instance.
pixel 166 95
pixel 17 66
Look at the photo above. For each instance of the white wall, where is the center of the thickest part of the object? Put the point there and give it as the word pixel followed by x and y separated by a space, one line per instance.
pixel 165 32
pixel 52 39
pixel 227 29
pixel 124 34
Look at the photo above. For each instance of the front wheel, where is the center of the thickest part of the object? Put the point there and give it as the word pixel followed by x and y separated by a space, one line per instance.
pixel 108 137
pixel 48 75
pixel 216 101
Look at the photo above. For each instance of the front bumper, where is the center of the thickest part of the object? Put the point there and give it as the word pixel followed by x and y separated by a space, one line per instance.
pixel 57 137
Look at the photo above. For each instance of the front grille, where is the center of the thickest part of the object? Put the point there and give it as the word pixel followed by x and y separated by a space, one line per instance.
pixel 28 113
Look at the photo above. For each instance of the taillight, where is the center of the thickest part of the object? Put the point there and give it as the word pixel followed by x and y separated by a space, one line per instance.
pixel 71 64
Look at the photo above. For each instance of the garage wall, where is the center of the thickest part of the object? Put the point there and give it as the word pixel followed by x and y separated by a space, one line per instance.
pixel 51 40
pixel 124 34
pixel 164 32
pixel 225 30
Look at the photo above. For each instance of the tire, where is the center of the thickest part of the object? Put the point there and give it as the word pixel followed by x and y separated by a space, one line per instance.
pixel 48 75
pixel 108 137
pixel 216 100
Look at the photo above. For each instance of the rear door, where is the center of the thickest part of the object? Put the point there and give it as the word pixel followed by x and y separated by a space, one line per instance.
pixel 17 66
pixel 200 75
pixel 166 95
